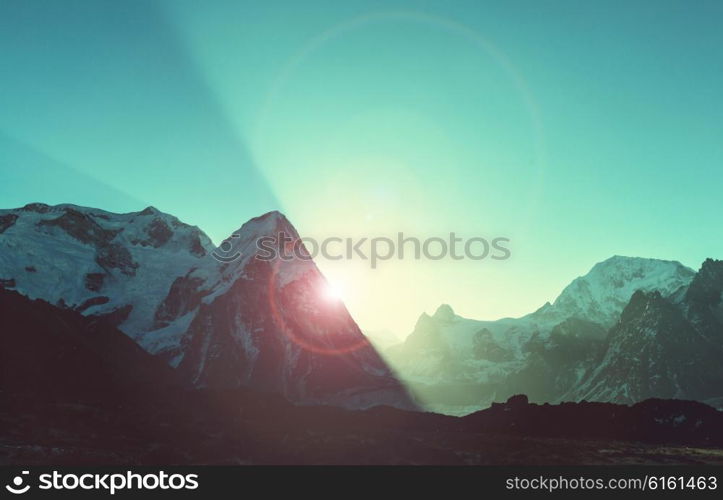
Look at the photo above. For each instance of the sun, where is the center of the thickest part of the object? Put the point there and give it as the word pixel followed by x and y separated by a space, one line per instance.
pixel 331 293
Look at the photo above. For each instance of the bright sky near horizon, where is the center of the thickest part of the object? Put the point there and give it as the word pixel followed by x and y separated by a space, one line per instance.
pixel 578 130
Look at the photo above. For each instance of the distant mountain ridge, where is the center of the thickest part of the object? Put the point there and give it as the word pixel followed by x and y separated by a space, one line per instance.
pixel 665 346
pixel 559 352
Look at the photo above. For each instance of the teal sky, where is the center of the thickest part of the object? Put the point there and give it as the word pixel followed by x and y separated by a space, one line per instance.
pixel 578 130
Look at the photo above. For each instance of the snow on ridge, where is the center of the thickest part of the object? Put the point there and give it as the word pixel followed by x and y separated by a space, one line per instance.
pixel 47 261
pixel 599 296
pixel 168 288
pixel 603 292
pixel 50 261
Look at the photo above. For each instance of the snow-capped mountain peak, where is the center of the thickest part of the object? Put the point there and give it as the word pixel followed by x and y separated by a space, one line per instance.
pixel 602 293
pixel 223 317
pixel 543 353
pixel 97 261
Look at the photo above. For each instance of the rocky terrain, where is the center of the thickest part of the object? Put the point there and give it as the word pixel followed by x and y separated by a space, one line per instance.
pixel 77 391
pixel 629 330
pixel 129 339
pixel 221 318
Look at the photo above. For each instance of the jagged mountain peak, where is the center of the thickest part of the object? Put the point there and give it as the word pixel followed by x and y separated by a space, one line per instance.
pixel 444 313
pixel 641 303
pixel 243 321
pixel 604 291
pixel 268 221
pixel 628 264
pixel 96 261
pixel 149 210
pixel 710 263
pixel 270 215
pixel 427 327
pixel 554 349
pixel 546 306
pixel 654 351
pixel 265 238
pixel 708 280
pixel 703 299
pixel 270 224
pixel 37 212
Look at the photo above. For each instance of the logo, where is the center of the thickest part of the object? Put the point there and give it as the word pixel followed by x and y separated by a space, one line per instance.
pixel 17 487
pixel 110 482
pixel 224 252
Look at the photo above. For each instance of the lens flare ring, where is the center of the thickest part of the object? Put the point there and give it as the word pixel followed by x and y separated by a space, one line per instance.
pixel 281 323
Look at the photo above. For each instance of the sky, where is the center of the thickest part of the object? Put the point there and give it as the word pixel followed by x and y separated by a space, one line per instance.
pixel 577 130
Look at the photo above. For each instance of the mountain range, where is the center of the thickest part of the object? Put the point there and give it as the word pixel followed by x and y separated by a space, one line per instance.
pixel 630 329
pixel 219 324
